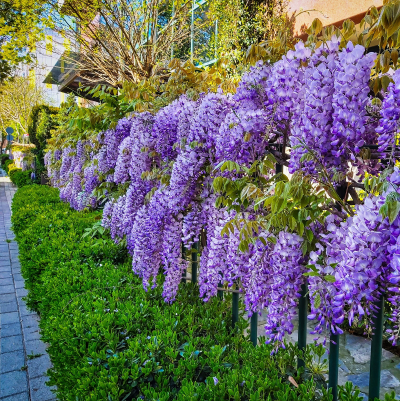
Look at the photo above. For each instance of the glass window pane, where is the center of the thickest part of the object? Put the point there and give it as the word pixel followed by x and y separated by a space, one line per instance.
pixel 204 36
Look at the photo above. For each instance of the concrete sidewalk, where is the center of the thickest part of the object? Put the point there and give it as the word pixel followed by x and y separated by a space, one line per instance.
pixel 23 357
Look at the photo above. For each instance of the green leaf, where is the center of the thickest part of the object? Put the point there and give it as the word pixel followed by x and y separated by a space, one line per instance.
pixel 304 247
pixel 317 301
pixel 329 278
pixel 300 228
pixel 309 235
pixel 393 210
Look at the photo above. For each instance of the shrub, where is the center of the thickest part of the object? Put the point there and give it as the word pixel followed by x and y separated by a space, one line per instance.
pixel 42 120
pixel 20 178
pixel 3 158
pixel 111 340
pixel 8 164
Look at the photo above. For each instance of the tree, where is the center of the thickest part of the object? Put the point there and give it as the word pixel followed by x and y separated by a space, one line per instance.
pixel 18 96
pixel 21 26
pixel 121 40
pixel 253 21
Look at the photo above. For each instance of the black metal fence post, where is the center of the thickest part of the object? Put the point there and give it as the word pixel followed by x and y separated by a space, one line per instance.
pixel 195 263
pixel 235 307
pixel 183 280
pixel 220 293
pixel 302 330
pixel 334 365
pixel 253 328
pixel 376 351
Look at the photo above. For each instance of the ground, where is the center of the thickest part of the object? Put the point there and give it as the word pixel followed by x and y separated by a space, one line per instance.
pixel 23 357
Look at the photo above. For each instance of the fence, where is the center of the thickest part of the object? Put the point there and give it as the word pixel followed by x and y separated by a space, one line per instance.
pixel 333 375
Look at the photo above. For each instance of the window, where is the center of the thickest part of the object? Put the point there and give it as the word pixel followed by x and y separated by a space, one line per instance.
pixel 203 35
pixel 201 46
pixel 62 67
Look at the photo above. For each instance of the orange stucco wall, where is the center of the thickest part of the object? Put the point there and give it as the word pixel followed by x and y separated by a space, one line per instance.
pixel 328 11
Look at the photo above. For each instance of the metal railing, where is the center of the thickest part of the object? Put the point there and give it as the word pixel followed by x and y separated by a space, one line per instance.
pixel 333 374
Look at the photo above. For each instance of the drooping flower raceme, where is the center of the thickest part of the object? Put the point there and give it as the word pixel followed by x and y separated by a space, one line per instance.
pixel 388 126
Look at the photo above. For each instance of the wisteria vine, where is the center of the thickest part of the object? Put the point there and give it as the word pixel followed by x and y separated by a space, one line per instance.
pixel 163 165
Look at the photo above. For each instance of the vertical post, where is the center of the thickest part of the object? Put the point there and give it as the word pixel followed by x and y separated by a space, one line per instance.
pixel 302 335
pixel 173 26
pixel 192 33
pixel 334 365
pixel 194 262
pixel 376 351
pixel 235 307
pixel 216 39
pixel 183 257
pixel 220 293
pixel 253 328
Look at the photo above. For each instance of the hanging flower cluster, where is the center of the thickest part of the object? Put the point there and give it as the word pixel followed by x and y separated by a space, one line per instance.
pixel 164 165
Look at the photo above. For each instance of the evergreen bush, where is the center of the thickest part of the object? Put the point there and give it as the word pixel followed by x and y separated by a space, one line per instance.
pixel 111 340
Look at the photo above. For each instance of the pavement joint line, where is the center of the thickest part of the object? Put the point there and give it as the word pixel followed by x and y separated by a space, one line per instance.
pixel 10 268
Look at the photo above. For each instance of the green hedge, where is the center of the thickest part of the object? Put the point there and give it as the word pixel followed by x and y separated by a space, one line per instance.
pixel 8 163
pixel 111 340
pixel 3 158
pixel 17 176
pixel 20 178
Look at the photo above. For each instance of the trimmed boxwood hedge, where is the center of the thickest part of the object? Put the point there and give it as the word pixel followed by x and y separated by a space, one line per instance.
pixel 20 178
pixel 111 340
pixel 3 158
pixel 17 176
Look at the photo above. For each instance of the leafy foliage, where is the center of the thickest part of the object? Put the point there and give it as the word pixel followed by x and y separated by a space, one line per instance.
pixel 42 120
pixel 3 158
pixel 20 178
pixel 21 27
pixel 109 339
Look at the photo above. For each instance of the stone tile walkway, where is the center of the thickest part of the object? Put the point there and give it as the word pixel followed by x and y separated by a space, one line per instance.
pixel 23 357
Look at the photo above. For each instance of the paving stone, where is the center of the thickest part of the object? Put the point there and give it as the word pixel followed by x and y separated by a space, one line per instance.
pixel 18 397
pixel 6 289
pixel 21 292
pixel 387 379
pixel 360 349
pixel 23 309
pixel 12 383
pixel 30 321
pixel 38 366
pixel 12 361
pixel 10 344
pixel 19 284
pixel 12 329
pixel 8 307
pixel 10 317
pixel 6 298
pixel 18 277
pixel 35 347
pixel 5 269
pixel 39 390
pixel 6 280
pixel 31 333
